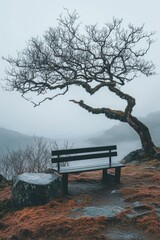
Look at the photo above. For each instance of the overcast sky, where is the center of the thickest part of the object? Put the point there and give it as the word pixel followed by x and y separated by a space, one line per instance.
pixel 22 19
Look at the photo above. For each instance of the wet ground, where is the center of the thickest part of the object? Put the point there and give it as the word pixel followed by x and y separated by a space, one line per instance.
pixel 92 210
pixel 107 200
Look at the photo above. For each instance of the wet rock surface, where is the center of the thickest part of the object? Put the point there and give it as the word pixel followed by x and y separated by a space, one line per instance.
pixel 139 210
pixel 134 156
pixel 137 156
pixel 31 189
pixel 108 204
pixel 92 211
pixel 108 201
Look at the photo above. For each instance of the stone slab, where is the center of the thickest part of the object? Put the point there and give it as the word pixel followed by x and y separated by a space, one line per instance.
pixel 30 189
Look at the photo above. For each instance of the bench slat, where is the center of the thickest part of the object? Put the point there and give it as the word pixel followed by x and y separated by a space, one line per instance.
pixel 83 150
pixel 83 157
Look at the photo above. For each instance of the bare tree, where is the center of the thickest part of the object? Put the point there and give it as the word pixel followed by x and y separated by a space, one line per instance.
pixel 13 163
pixel 36 157
pixel 99 58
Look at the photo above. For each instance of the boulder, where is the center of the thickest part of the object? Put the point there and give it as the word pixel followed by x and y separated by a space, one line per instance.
pixel 3 181
pixel 137 155
pixel 157 155
pixel 31 189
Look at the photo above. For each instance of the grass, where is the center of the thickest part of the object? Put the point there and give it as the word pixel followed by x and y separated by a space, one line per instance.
pixel 139 182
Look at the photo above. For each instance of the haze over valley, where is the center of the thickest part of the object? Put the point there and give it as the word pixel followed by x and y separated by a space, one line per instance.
pixel 120 134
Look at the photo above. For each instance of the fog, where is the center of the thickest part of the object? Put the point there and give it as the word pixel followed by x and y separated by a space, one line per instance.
pixel 22 19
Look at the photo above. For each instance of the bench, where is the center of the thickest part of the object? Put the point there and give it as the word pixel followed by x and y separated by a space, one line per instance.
pixel 61 159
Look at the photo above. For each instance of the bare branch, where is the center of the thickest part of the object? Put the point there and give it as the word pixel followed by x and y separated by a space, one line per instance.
pixel 65 57
pixel 109 113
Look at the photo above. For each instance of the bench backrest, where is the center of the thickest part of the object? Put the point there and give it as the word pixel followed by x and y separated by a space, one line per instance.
pixel 67 155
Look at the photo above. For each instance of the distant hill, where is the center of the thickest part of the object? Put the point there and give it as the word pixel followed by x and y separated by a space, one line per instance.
pixel 153 122
pixel 122 132
pixel 13 140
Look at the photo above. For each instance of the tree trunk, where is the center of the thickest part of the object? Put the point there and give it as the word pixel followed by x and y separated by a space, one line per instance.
pixel 149 148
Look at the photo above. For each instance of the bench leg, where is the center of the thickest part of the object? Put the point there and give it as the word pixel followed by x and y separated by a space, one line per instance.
pixel 104 175
pixel 117 174
pixel 65 183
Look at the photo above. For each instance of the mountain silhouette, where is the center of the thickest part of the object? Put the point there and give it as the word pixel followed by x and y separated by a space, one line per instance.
pixel 13 140
pixel 122 132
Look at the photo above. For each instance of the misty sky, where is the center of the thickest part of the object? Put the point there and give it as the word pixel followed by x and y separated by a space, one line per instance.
pixel 22 19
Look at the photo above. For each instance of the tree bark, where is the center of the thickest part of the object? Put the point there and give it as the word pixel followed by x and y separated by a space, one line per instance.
pixel 142 130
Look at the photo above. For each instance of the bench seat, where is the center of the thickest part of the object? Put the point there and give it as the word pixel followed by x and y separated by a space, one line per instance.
pixel 86 168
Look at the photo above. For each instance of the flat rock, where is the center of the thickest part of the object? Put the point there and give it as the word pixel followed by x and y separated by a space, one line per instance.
pixel 30 189
pixel 108 211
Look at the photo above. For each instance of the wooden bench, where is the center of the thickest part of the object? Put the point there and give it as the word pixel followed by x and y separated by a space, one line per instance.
pixel 61 159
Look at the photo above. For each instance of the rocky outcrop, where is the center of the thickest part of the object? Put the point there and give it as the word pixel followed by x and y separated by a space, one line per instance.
pixel 30 189
pixel 157 155
pixel 3 181
pixel 136 155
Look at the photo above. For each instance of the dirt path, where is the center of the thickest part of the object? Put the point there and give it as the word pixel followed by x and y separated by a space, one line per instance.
pixel 106 200
pixel 110 200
